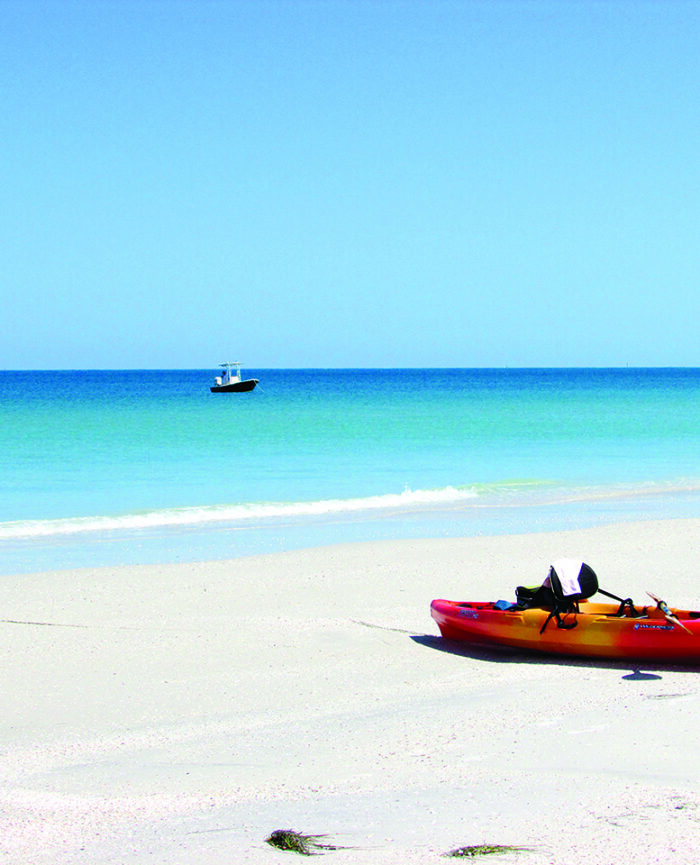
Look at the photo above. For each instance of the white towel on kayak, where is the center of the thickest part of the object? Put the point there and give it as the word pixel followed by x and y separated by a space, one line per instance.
pixel 569 571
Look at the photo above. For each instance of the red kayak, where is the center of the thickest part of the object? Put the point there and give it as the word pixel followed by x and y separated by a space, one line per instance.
pixel 558 618
pixel 598 633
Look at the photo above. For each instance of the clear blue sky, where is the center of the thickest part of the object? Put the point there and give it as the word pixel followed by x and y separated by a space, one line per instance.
pixel 349 183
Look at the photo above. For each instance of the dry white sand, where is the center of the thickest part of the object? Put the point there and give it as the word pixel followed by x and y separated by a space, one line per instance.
pixel 179 714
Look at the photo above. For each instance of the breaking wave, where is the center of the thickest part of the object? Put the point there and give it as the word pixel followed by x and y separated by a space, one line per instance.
pixel 196 516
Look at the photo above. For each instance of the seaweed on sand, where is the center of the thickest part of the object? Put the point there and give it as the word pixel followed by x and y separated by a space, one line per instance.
pixel 483 850
pixel 306 845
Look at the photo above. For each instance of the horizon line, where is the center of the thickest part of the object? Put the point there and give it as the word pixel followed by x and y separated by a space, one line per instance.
pixel 334 368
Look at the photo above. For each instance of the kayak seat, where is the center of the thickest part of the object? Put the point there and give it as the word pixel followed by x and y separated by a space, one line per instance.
pixel 568 582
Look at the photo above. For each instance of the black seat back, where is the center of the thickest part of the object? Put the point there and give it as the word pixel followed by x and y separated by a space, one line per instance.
pixel 571 581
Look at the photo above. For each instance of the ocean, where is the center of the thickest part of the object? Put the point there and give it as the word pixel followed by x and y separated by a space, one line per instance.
pixel 146 466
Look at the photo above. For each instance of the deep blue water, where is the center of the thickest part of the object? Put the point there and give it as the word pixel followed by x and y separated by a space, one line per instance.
pixel 100 467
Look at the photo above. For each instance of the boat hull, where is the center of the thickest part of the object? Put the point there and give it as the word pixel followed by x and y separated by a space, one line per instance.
pixel 598 632
pixel 235 386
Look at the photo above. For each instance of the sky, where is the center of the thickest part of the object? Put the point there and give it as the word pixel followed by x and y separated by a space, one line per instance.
pixel 349 183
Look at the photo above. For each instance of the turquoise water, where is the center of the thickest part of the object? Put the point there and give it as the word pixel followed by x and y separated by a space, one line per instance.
pixel 103 467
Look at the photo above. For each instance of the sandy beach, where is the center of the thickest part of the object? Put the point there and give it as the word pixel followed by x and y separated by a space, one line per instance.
pixel 180 713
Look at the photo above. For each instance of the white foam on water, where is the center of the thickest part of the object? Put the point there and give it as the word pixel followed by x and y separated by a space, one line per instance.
pixel 228 513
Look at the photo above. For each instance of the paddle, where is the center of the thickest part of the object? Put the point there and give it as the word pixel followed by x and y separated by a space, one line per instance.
pixel 666 610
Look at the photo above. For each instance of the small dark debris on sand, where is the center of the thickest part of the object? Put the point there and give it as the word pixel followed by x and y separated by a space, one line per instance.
pixel 306 845
pixel 483 850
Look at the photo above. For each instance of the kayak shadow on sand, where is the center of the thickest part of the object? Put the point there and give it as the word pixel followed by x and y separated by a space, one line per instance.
pixel 506 655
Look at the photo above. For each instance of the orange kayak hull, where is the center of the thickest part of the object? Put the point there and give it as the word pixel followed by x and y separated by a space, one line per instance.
pixel 598 632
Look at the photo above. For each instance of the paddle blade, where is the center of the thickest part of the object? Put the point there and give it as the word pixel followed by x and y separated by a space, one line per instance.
pixel 668 613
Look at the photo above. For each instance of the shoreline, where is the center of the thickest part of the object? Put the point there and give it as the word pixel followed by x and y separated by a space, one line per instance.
pixel 64 549
pixel 185 711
